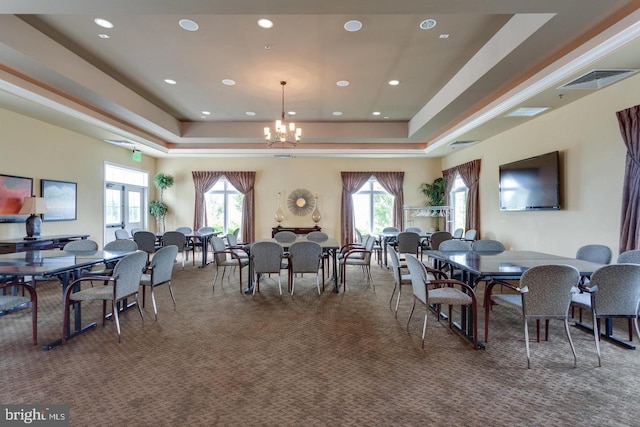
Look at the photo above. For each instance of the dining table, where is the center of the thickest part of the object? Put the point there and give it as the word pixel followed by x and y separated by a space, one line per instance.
pixel 60 265
pixel 202 238
pixel 504 265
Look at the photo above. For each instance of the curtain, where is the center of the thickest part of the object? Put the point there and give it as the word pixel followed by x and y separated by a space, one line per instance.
pixel 351 182
pixel 629 121
pixel 244 183
pixel 392 182
pixel 470 174
pixel 203 182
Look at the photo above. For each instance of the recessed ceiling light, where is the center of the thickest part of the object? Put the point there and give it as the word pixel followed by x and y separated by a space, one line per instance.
pixel 342 83
pixel 337 113
pixel 103 36
pixel 170 81
pixel 443 36
pixel 428 24
pixel 206 113
pixel 376 113
pixel 527 111
pixel 228 82
pixel 265 23
pixel 103 23
pixel 250 113
pixel 353 26
pixel 291 113
pixel 394 82
pixel 386 117
pixel 188 24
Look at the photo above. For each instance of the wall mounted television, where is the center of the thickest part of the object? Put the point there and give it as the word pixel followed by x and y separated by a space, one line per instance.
pixel 531 184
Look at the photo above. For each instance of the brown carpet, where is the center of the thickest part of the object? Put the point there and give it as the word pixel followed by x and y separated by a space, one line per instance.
pixel 226 359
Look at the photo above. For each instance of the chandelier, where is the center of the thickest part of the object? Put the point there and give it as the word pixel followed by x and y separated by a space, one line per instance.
pixel 284 133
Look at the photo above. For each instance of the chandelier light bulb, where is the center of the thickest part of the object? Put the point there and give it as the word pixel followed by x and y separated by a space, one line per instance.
pixel 283 135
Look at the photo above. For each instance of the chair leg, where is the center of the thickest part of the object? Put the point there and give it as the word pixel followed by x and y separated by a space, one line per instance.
pixel 173 298
pixel 413 307
pixel 573 349
pixel 114 312
pixel 395 285
pixel 526 342
pixel 424 326
pixel 596 337
pixel 153 300
pixel 398 300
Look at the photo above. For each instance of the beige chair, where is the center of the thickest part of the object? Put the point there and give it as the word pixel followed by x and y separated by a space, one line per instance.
pixel 357 256
pixel 613 291
pixel 431 290
pixel 122 284
pixel 160 272
pixel 266 258
pixel 225 257
pixel 12 301
pixel 304 257
pixel 544 293
pixel 399 279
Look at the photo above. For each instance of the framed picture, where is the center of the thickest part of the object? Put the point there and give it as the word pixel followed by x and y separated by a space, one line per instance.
pixel 13 190
pixel 61 198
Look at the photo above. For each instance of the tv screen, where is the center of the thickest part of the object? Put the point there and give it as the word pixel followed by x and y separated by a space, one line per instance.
pixel 531 184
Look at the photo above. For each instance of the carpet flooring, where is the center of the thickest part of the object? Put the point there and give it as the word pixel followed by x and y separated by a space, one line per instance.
pixel 223 358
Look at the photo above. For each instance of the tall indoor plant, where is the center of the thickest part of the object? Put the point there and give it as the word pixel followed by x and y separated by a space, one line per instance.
pixel 158 208
pixel 434 193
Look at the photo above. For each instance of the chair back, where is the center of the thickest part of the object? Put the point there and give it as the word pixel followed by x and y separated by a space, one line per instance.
pixel 395 265
pixel 266 257
pixel 127 274
pixel 162 264
pixel 134 230
pixel 121 245
pixel 85 245
pixel 318 236
pixel 174 238
pixel 391 230
pixel 305 256
pixel 122 234
pixel 437 238
pixel 486 245
pixel 629 257
pixel 618 290
pixel 358 236
pixel 408 242
pixel 219 248
pixel 471 235
pixel 418 274
pixel 457 234
pixel 600 254
pixel 184 230
pixel 146 241
pixel 206 230
pixel 414 229
pixel 232 239
pixel 285 236
pixel 547 290
pixel 455 246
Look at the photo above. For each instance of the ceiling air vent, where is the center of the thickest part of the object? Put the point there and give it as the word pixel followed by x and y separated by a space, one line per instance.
pixel 462 143
pixel 597 79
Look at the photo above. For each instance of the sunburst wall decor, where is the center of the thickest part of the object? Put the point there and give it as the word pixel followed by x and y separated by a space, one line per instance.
pixel 300 202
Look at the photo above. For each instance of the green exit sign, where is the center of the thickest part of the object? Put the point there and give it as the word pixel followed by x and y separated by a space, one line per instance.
pixel 136 156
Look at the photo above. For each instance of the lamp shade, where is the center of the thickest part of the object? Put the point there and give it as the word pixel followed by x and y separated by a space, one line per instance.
pixel 34 205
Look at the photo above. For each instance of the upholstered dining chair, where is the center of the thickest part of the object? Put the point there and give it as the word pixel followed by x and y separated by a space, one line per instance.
pixel 600 254
pixel 266 258
pixel 486 245
pixel 457 233
pixel 118 245
pixel 430 290
pixel 318 236
pixel 399 279
pixel 544 293
pixel 160 272
pixel 305 257
pixel 146 241
pixel 470 235
pixel 613 291
pixel 285 236
pixel 122 284
pixel 178 239
pixel 357 256
pixel 629 257
pixel 83 245
pixel 407 242
pixel 189 245
pixel 122 234
pixel 455 246
pixel 225 257
pixel 13 301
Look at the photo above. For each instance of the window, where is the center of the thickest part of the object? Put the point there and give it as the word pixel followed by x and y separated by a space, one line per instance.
pixel 458 198
pixel 224 207
pixel 372 208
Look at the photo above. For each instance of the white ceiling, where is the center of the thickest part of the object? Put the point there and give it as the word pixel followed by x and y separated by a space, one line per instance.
pixel 499 55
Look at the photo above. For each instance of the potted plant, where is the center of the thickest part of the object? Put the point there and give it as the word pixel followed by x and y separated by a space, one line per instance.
pixel 158 208
pixel 434 193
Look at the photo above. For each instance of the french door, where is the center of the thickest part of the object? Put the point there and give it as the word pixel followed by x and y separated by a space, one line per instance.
pixel 124 208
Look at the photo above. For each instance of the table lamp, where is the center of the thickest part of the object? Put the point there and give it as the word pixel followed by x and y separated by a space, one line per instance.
pixel 34 206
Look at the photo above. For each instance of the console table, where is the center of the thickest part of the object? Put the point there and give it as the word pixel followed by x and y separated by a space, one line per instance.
pixel 43 243
pixel 297 230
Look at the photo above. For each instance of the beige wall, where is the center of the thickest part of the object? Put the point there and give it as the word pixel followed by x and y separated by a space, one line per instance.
pixel 36 149
pixel 320 176
pixel 587 135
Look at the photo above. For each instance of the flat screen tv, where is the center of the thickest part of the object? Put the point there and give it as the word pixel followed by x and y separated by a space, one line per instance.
pixel 531 184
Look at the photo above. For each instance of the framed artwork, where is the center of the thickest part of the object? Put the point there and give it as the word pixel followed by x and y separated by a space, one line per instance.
pixel 13 190
pixel 61 199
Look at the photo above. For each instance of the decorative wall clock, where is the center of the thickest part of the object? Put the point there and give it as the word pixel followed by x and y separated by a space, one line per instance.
pixel 300 202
